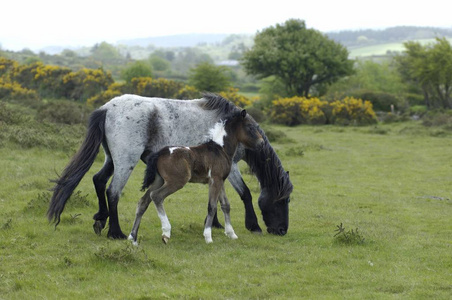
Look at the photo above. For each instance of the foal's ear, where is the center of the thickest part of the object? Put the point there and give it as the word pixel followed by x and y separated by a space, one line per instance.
pixel 243 113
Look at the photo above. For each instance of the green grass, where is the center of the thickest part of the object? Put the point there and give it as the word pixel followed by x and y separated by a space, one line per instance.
pixel 390 184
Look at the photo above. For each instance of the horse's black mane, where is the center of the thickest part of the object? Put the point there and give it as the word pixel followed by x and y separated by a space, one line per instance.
pixel 218 103
pixel 264 163
pixel 267 167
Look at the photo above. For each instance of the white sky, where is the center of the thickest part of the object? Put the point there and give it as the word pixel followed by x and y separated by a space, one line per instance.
pixel 35 24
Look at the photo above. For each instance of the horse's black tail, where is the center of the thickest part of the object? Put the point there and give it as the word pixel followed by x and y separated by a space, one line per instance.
pixel 151 170
pixel 78 166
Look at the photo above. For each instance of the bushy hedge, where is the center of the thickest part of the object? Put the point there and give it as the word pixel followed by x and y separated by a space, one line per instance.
pixel 300 110
pixel 46 81
pixel 148 87
pixel 13 90
pixel 352 111
pixel 232 95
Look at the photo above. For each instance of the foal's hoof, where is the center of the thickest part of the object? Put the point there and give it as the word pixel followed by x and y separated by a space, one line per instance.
pixel 165 239
pixel 98 226
pixel 231 235
pixel 134 242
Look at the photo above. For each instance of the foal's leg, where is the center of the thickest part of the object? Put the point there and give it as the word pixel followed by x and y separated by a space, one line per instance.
pixel 226 208
pixel 100 182
pixel 142 207
pixel 214 192
pixel 168 188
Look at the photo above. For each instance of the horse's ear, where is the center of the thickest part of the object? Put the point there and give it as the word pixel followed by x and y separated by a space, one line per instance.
pixel 243 113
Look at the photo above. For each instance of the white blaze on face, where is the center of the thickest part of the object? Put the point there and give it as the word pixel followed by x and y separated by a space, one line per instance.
pixel 218 133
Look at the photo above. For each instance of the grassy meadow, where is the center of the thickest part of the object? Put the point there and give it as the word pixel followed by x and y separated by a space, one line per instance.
pixel 370 217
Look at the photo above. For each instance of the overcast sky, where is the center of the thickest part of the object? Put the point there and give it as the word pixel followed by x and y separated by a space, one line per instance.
pixel 35 24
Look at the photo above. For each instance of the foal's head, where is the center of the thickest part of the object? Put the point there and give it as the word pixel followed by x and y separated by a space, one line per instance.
pixel 245 130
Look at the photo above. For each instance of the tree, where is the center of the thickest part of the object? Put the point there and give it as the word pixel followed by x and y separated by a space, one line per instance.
pixel 136 70
pixel 430 68
pixel 208 77
pixel 106 53
pixel 304 59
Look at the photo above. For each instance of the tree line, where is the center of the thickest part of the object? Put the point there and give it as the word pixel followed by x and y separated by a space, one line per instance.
pixel 288 60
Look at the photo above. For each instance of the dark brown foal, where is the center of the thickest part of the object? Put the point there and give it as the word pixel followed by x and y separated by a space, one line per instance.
pixel 171 168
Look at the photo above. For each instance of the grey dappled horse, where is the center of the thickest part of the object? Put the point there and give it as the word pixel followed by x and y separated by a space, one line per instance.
pixel 131 127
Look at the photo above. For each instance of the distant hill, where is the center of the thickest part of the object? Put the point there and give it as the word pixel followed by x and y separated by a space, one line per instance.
pixel 179 40
pixel 363 38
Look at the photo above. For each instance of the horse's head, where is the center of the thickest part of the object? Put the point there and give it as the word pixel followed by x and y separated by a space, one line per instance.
pixel 246 131
pixel 275 206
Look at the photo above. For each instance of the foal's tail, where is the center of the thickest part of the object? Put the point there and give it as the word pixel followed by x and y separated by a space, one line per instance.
pixel 78 166
pixel 151 170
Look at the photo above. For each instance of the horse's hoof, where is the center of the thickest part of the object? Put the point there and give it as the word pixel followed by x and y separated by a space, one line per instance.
pixel 98 226
pixel 254 228
pixel 165 239
pixel 117 236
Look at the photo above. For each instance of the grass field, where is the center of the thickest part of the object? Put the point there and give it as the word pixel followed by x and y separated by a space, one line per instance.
pixel 389 186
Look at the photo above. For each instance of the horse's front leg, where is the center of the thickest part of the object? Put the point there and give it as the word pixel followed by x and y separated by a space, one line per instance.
pixel 235 178
pixel 214 192
pixel 226 208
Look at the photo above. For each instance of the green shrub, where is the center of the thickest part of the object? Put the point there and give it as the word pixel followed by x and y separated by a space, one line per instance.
pixel 348 237
pixel 418 110
pixel 11 116
pixel 381 101
pixel 438 118
pixel 63 112
pixel 256 113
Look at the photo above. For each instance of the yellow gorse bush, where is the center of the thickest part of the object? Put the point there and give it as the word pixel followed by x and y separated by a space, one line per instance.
pixel 232 95
pixel 298 110
pixel 352 111
pixel 13 90
pixel 301 110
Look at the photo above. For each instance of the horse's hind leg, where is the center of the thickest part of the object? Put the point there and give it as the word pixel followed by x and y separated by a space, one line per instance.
pixel 226 208
pixel 142 206
pixel 100 182
pixel 120 177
